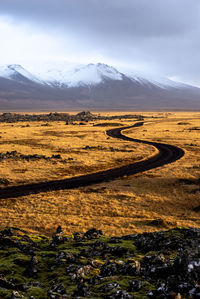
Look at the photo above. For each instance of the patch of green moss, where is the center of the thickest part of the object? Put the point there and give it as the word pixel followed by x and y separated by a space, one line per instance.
pixel 38 238
pixel 97 289
pixel 37 292
pixel 8 251
pixel 176 232
pixel 24 243
pixel 142 293
pixel 124 281
pixel 17 279
pixel 140 296
pixel 13 263
pixel 47 254
pixel 68 248
pixel 5 294
pixel 83 260
pixel 8 266
pixel 127 244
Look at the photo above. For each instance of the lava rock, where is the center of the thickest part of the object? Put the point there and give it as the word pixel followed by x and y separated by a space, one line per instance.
pixel 83 271
pixel 31 270
pixel 78 236
pixel 59 289
pixel 120 294
pixel 5 284
pixel 109 287
pixel 115 240
pixel 109 269
pixel 82 290
pixel 118 251
pixel 7 232
pixel 134 285
pixel 93 234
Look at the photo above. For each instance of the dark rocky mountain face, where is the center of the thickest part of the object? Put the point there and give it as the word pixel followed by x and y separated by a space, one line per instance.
pixel 21 92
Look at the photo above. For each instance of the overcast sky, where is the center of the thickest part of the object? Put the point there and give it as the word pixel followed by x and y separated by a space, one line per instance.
pixel 161 36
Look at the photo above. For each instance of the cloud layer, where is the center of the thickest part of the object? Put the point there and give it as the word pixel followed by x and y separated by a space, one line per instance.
pixel 157 35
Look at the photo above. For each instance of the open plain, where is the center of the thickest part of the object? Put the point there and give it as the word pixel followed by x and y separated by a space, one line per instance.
pixel 161 198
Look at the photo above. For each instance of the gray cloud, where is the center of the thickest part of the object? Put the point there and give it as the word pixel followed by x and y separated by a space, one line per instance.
pixel 160 34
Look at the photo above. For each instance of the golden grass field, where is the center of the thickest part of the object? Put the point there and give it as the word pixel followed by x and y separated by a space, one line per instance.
pixel 128 205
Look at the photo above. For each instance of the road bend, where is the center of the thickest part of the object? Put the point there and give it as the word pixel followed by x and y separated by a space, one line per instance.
pixel 166 154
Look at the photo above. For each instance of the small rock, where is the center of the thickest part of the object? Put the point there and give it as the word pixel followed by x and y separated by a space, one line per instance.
pixel 5 284
pixel 93 234
pixel 134 285
pixel 59 289
pixel 15 295
pixel 109 287
pixel 82 290
pixel 78 236
pixel 84 270
pixel 120 294
pixel 31 270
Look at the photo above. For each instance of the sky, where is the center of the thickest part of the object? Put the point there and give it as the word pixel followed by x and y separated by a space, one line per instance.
pixel 146 36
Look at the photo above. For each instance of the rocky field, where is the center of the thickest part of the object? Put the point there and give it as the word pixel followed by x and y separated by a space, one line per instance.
pixel 164 264
pixel 69 118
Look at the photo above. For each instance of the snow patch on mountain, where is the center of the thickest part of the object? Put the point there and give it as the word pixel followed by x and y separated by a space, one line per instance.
pixel 154 80
pixel 166 83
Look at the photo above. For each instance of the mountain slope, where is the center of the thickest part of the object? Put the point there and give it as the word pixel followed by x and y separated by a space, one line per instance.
pixel 94 86
pixel 17 73
pixel 90 74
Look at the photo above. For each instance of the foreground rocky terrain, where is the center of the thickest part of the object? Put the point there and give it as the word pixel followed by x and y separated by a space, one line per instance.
pixel 164 264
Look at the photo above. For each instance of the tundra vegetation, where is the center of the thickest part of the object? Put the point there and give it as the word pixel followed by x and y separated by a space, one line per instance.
pixel 39 147
pixel 151 265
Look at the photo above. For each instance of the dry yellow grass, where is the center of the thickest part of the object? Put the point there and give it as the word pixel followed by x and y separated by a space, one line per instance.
pixel 123 206
pixel 89 147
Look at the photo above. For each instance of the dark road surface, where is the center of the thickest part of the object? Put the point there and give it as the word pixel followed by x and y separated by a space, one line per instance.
pixel 167 154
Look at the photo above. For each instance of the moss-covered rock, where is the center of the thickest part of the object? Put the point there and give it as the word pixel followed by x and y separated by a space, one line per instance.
pixel 149 265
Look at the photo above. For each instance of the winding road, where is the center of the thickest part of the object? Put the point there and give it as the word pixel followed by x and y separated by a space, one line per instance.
pixel 166 154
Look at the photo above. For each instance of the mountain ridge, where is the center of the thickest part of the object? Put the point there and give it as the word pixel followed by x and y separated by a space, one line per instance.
pixel 93 86
pixel 91 74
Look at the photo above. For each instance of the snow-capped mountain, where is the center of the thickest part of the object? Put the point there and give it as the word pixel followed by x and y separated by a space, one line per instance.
pixel 18 73
pixel 85 75
pixel 91 74
pixel 97 86
pixel 94 74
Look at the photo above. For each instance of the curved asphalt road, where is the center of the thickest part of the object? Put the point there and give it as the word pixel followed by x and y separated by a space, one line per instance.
pixel 167 154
